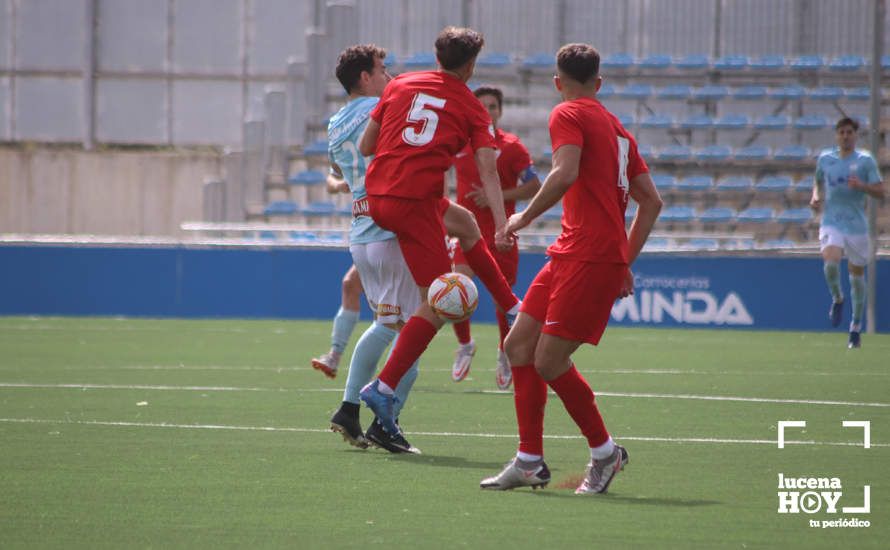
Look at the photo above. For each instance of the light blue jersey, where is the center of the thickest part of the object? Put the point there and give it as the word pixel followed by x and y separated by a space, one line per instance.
pixel 344 131
pixel 844 208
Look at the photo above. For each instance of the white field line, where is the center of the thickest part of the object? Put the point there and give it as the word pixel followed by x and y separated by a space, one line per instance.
pixel 706 440
pixel 496 392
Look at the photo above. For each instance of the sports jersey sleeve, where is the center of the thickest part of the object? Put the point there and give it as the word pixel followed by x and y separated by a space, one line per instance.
pixel 481 130
pixel 820 175
pixel 636 165
pixel 521 162
pixel 872 172
pixel 564 129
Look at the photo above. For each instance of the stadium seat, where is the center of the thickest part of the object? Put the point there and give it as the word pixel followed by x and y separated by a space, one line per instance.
pixel 664 182
pixel 714 153
pixel 885 62
pixel 303 236
pixel 739 244
pixel 697 122
pixel 494 60
pixel 675 153
pixel 811 122
pixel 677 214
pixel 268 235
pixel 655 62
pixel 693 62
pixel 419 61
pixel 630 212
pixel 710 92
pixel 827 93
pixel 732 122
pixel 858 94
pixel 316 149
pixel 636 91
pixel 772 122
pixel 618 61
pixel 731 63
pixel 626 119
pixel 773 184
pixel 539 61
pixel 703 243
pixel 777 243
pixel 768 63
pixel 606 91
pixel 805 185
pixel 319 209
pixel 735 183
pixel 807 63
pixel 793 153
pixel 847 63
pixel 344 211
pixel 674 91
pixel 718 214
pixel 795 216
pixel 790 92
pixel 307 177
pixel 280 208
pixel 755 215
pixel 646 151
pixel 553 214
pixel 657 121
pixel 752 153
pixel 749 93
pixel 657 244
pixel 695 183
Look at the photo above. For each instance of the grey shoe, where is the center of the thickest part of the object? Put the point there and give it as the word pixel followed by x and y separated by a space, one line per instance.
pixel 528 474
pixel 600 473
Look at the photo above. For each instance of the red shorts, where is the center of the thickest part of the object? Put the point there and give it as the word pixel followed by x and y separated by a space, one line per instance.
pixel 508 261
pixel 573 300
pixel 420 230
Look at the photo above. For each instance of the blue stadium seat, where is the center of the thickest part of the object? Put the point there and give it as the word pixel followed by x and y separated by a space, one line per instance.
pixel 664 182
pixel 793 153
pixel 675 153
pixel 807 63
pixel 795 216
pixel 606 91
pixel 693 62
pixel 847 63
pixel 554 214
pixel 805 185
pixel 697 122
pixel 778 243
pixel 703 243
pixel 714 153
pixel 677 214
pixel 618 61
pixel 768 63
pixel 674 91
pixel 858 94
pixel 735 183
pixel 772 122
pixel 695 183
pixel 827 93
pixel 344 211
pixel 268 235
pixel 718 214
pixel 731 63
pixel 419 61
pixel 630 212
pixel 307 177
pixel 280 208
pixel 739 244
pixel 790 92
pixel 732 122
pixel 494 60
pixel 626 119
pixel 655 62
pixel 657 121
pixel 547 155
pixel 710 92
pixel 885 61
pixel 752 153
pixel 646 151
pixel 749 93
pixel 303 236
pixel 636 91
pixel 755 215
pixel 811 122
pixel 773 184
pixel 539 61
pixel 316 149
pixel 318 209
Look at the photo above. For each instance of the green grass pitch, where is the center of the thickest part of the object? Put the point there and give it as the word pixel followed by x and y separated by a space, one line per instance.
pixel 170 433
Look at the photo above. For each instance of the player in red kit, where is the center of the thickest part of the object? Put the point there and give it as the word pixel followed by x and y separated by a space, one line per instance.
pixel 519 181
pixel 596 166
pixel 421 122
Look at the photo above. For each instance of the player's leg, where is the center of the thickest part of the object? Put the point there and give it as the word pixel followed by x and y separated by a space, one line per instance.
pixel 466 348
pixel 509 264
pixel 857 256
pixel 831 244
pixel 344 323
pixel 460 223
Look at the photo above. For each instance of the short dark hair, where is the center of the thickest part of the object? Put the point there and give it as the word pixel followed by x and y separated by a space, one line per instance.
pixel 354 60
pixel 580 62
pixel 490 90
pixel 456 46
pixel 847 121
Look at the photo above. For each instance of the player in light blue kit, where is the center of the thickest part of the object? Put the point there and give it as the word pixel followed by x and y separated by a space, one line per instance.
pixel 844 176
pixel 388 285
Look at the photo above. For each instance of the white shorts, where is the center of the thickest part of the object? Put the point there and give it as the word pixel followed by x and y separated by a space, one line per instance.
pixel 389 287
pixel 856 247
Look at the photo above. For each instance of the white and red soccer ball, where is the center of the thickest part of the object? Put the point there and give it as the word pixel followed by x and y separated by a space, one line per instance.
pixel 453 297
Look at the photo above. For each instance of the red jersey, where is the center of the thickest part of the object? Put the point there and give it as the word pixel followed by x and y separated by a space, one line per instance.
pixel 425 119
pixel 593 207
pixel 513 161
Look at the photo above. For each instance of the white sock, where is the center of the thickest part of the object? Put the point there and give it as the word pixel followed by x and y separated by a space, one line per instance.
pixel 526 457
pixel 384 388
pixel 603 451
pixel 515 309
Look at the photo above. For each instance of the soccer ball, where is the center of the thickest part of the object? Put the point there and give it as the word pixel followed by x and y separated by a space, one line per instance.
pixel 453 297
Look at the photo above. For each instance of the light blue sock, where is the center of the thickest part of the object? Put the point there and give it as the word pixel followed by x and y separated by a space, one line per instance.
pixel 832 272
pixel 344 324
pixel 367 353
pixel 404 388
pixel 857 294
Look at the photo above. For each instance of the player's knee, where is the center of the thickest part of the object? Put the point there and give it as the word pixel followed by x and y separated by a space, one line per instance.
pixel 518 350
pixel 352 284
pixel 856 270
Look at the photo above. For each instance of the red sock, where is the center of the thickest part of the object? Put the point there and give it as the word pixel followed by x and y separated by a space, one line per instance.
pixel 413 339
pixel 529 396
pixel 462 331
pixel 482 263
pixel 578 399
pixel 502 326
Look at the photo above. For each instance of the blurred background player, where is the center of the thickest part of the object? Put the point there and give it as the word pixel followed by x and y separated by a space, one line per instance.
pixel 519 181
pixel 844 176
pixel 390 290
pixel 596 166
pixel 421 122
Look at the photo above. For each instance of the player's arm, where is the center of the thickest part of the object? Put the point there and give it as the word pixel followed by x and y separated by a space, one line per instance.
pixel 566 161
pixel 643 191
pixel 335 181
pixel 818 190
pixel 525 190
pixel 486 162
pixel 873 187
pixel 367 145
